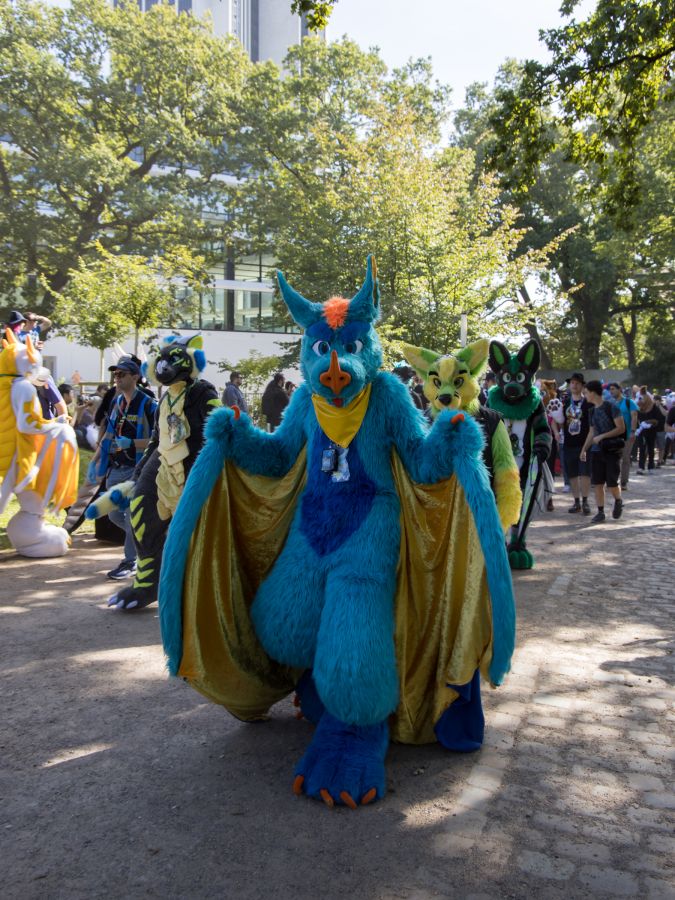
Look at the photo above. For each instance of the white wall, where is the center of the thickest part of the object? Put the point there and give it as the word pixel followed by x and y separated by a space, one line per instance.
pixel 218 345
pixel 279 29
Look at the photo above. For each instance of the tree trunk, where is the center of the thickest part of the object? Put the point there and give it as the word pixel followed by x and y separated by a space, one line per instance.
pixel 629 336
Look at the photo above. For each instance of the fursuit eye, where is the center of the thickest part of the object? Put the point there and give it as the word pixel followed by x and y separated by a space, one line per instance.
pixel 459 382
pixel 321 348
pixel 437 382
pixel 520 377
pixel 506 377
pixel 354 346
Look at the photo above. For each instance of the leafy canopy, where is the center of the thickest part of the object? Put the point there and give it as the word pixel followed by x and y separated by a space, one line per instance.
pixel 119 124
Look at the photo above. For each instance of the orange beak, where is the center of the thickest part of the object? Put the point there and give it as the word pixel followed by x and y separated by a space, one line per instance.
pixel 335 378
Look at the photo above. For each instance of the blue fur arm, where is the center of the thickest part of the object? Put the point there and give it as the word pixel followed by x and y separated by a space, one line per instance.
pixel 259 452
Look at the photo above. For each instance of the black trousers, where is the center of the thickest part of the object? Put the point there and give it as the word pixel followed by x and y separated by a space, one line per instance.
pixel 646 443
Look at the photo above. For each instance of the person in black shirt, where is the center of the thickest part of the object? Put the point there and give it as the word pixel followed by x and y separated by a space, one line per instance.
pixel 274 401
pixel 576 410
pixel 607 425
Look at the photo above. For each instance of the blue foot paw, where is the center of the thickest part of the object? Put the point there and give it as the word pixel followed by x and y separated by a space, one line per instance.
pixel 462 726
pixel 310 705
pixel 132 598
pixel 344 764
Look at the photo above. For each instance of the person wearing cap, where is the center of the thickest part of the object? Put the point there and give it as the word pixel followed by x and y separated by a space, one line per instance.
pixel 31 324
pixel 576 426
pixel 233 395
pixel 127 432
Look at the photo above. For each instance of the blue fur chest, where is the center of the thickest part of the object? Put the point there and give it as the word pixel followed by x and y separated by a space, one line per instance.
pixel 331 512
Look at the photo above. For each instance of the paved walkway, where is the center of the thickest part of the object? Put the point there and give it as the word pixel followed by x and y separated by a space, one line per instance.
pixel 118 783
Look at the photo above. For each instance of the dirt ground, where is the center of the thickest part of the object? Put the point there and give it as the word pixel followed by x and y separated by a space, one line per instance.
pixel 118 782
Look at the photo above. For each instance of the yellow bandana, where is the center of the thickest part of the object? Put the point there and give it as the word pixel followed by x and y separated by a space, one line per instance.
pixel 341 424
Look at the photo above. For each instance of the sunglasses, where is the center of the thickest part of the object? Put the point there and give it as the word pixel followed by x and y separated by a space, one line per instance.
pixel 120 374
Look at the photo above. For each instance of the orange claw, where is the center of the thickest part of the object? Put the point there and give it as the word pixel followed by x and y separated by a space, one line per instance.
pixel 457 418
pixel 237 412
pixel 326 797
pixel 348 800
pixel 369 797
pixel 297 785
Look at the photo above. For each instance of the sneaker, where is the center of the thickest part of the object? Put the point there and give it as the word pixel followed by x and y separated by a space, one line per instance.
pixel 598 517
pixel 585 508
pixel 640 472
pixel 575 508
pixel 618 509
pixel 549 505
pixel 624 485
pixel 126 569
pixel 566 489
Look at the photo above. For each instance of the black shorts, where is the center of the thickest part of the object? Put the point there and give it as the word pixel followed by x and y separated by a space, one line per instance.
pixel 575 466
pixel 605 467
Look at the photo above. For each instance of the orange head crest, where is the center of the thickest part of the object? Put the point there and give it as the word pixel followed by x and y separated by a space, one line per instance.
pixel 335 312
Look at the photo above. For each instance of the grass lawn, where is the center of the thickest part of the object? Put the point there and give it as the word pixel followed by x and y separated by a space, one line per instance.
pixel 13 506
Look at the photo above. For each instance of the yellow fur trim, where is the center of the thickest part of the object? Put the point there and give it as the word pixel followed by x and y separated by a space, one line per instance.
pixel 341 425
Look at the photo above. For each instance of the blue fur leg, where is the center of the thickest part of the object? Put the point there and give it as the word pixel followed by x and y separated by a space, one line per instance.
pixel 310 703
pixel 344 759
pixel 462 725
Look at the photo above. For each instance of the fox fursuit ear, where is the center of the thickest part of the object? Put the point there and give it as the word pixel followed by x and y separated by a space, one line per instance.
pixel 475 356
pixel 499 356
pixel 420 359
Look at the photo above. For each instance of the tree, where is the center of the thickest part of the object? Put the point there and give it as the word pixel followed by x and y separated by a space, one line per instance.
pixel 316 12
pixel 117 125
pixel 350 162
pixel 605 265
pixel 613 69
pixel 114 294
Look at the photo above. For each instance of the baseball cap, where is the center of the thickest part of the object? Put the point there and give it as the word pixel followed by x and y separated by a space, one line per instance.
pixel 126 364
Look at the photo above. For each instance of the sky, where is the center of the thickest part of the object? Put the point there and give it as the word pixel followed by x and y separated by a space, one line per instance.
pixel 466 39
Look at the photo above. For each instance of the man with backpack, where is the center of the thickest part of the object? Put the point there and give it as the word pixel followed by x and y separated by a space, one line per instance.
pixel 629 411
pixel 606 442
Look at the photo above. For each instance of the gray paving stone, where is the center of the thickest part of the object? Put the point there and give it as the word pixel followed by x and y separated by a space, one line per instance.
pixel 659 890
pixel 660 800
pixel 609 881
pixel 543 866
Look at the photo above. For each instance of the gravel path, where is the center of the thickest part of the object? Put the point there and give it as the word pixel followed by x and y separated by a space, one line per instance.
pixel 118 783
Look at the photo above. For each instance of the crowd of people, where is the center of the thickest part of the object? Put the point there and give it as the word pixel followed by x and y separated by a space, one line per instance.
pixel 600 430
